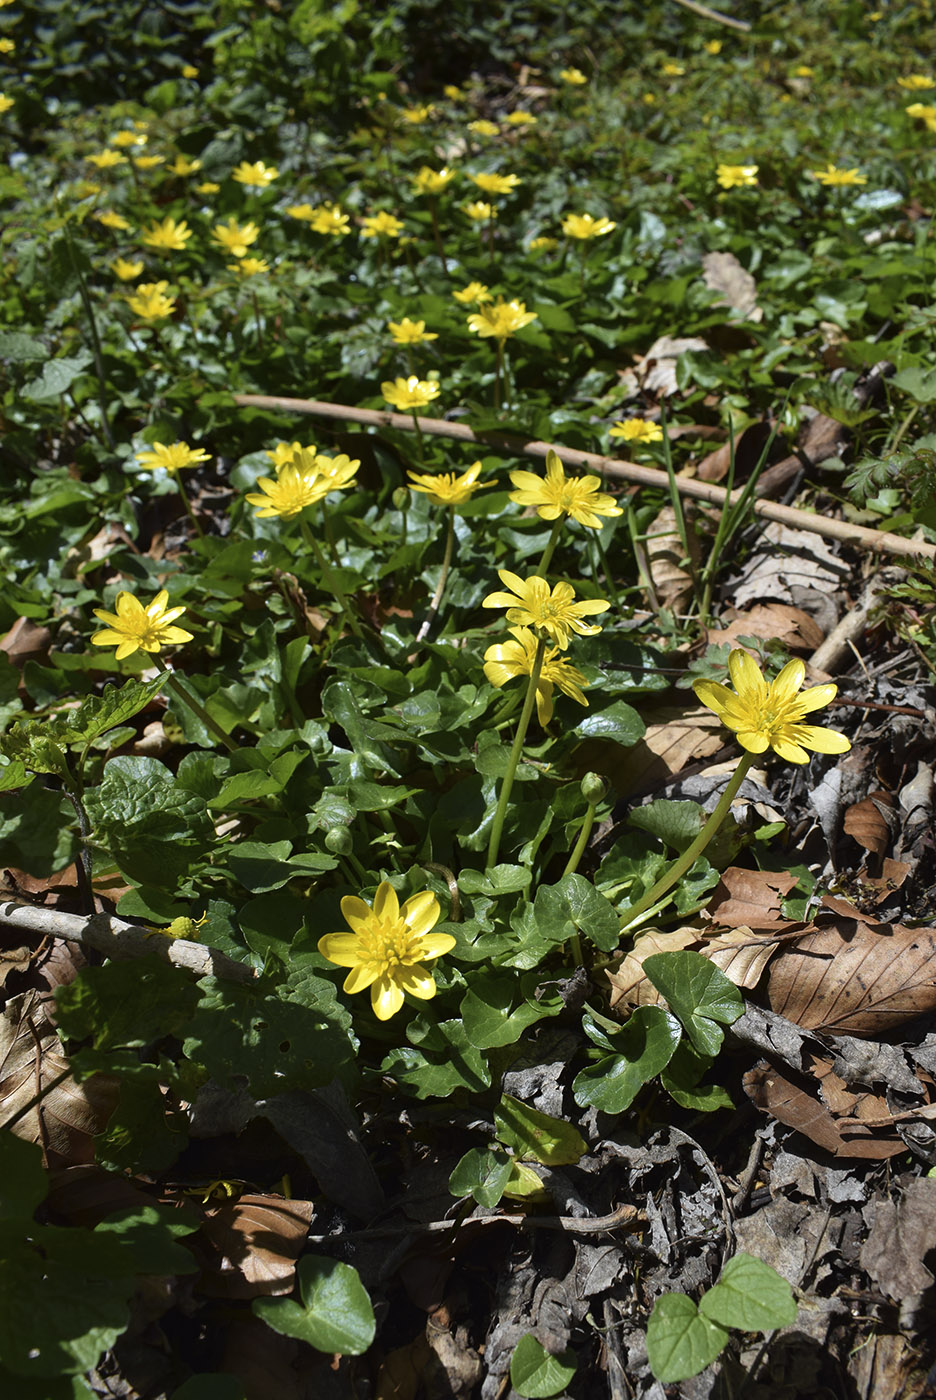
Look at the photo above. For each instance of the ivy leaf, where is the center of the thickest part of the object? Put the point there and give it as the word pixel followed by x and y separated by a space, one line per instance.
pixel 681 1078
pixel 537 1374
pixel 680 1341
pixel 644 1047
pixel 335 1314
pixel 698 993
pixel 491 1013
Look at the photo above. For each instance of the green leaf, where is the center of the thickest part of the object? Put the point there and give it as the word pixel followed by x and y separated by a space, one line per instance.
pixel 259 866
pixel 130 1003
pixel 535 1373
pixel 644 1047
pixel 146 1238
pixel 575 906
pixel 141 792
pixel 23 1182
pixel 440 1060
pixel 98 713
pixel 619 723
pixel 17 346
pixel 531 1134
pixel 335 1314
pixel 680 1341
pixel 698 993
pixel 500 879
pixel 677 824
pixel 920 384
pixel 750 1295
pixel 14 775
pixel 493 1012
pixel 483 1174
pixel 681 1078
pixel 57 376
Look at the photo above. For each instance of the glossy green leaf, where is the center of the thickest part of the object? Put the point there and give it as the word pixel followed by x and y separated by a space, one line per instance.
pixel 643 1046
pixel 535 1373
pixel 698 993
pixel 681 1342
pixel 335 1314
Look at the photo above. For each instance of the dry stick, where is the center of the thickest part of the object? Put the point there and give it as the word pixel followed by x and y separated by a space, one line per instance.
pixel 843 530
pixel 117 939
pixel 706 13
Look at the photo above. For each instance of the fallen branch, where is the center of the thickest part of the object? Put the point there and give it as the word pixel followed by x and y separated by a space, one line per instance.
pixel 117 939
pixel 706 13
pixel 843 530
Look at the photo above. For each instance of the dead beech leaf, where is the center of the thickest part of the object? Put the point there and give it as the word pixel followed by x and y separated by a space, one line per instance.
pixel 789 1103
pixel 899 1238
pixel 740 954
pixel 751 897
pixel 255 1242
pixel 672 579
pixel 723 273
pixel 771 621
pixel 674 738
pixel 783 561
pixel 854 976
pixel 871 822
pixel 655 372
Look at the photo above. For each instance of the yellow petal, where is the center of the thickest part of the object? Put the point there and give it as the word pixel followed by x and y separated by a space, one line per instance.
pixel 386 904
pixel 360 977
pixel 789 681
pixel 814 736
pixel 418 982
pixel 386 998
pixel 421 913
pixel 753 740
pixel 790 752
pixel 816 698
pixel 434 945
pixel 343 949
pixel 746 678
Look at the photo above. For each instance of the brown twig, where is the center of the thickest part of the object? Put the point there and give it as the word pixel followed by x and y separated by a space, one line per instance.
pixel 706 13
pixel 624 1218
pixel 844 530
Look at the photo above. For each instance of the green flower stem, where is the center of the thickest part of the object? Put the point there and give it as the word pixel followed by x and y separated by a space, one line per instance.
pixel 689 857
pixel 899 435
pixel 497 373
pixel 419 439
pixel 329 580
pixel 609 583
pixel 92 327
pixel 188 505
pixel 588 821
pixel 329 533
pixel 550 549
pixel 515 753
pixel 187 698
pixel 443 577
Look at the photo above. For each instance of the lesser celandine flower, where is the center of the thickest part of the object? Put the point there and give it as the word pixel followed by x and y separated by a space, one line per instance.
pixel 770 715
pixel 407 332
pixel 184 165
pixel 733 176
pixel 7 46
pixel 172 457
pixel 580 497
pixel 104 160
pixel 235 238
pixel 502 320
pixel 207 187
pixel 543 244
pixel 5 103
pixel 476 293
pixel 150 302
pixel 636 430
pixel 249 267
pixel 128 138
pixel 148 162
pixel 551 612
pixel 303 481
pixel 169 236
pixel 133 627
pixel 127 271
pixel 409 394
pixel 804 71
pixel 418 114
pixel 925 114
pixel 917 82
pixel 447 489
pixel 110 219
pixel 388 947
pixel 479 211
pixel 520 118
pixel 189 70
pixel 504 661
pixel 330 220
pixel 304 211
pixel 673 70
pixel 284 452
pixel 452 92
pixel 586 226
pixel 713 46
pixel 482 127
pixel 573 76
pixel 429 181
pixel 832 175
pixel 381 225
pixel 254 173
pixel 492 183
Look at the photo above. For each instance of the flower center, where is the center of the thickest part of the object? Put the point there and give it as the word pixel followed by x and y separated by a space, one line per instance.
pixel 389 944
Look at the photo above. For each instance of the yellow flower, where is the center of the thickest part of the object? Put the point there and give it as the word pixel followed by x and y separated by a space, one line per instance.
pixel 85 189
pixel 832 175
pixel 135 628
pixel 407 332
pixel 150 302
pixel 543 244
pixel 502 320
pixel 482 127
pixel 189 71
pixel 574 76
pixel 148 162
pixel 125 270
pixel 418 114
pixel 169 235
pixel 475 293
pixel 506 660
pixel 128 138
pixel 673 70
pixel 105 159
pixel 479 210
pixel 492 183
pixel 713 46
pixel 520 118
pixel 428 181
pixel 184 165
pixel 554 613
pixel 109 219
pixel 207 187
pixel 284 452
pixel 233 237
pixel 452 92
pixel 329 219
pixel 249 267
pixel 729 176
pixel 5 103
pixel 255 173
pixel 7 46
pixel 924 113
pixel 447 489
pixel 804 71
pixel 304 211
pixel 584 226
pixel 917 82
pixel 636 430
pixel 771 715
pixel 381 225
pixel 387 947
pixel 304 480
pixel 578 496
pixel 171 458
pixel 409 394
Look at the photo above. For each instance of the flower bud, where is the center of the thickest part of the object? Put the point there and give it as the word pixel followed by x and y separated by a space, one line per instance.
pixel 594 789
pixel 338 841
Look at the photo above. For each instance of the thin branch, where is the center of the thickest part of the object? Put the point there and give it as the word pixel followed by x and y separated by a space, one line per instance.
pixel 706 13
pixel 858 535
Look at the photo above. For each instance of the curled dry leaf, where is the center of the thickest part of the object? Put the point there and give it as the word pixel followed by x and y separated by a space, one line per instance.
pixel 669 569
pixel 780 622
pixel 751 897
pixel 740 953
pixel 872 822
pixel 779 1095
pixel 255 1242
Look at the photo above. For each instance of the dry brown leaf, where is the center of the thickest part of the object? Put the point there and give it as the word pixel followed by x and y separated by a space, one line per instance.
pixel 780 622
pixel 256 1241
pixel 723 273
pixel 747 450
pixel 26 641
pixel 783 561
pixel 751 897
pixel 676 736
pixel 672 579
pixel 855 977
pixel 740 954
pixel 655 372
pixel 774 1093
pixel 401 1372
pixel 871 822
pixel 900 1236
